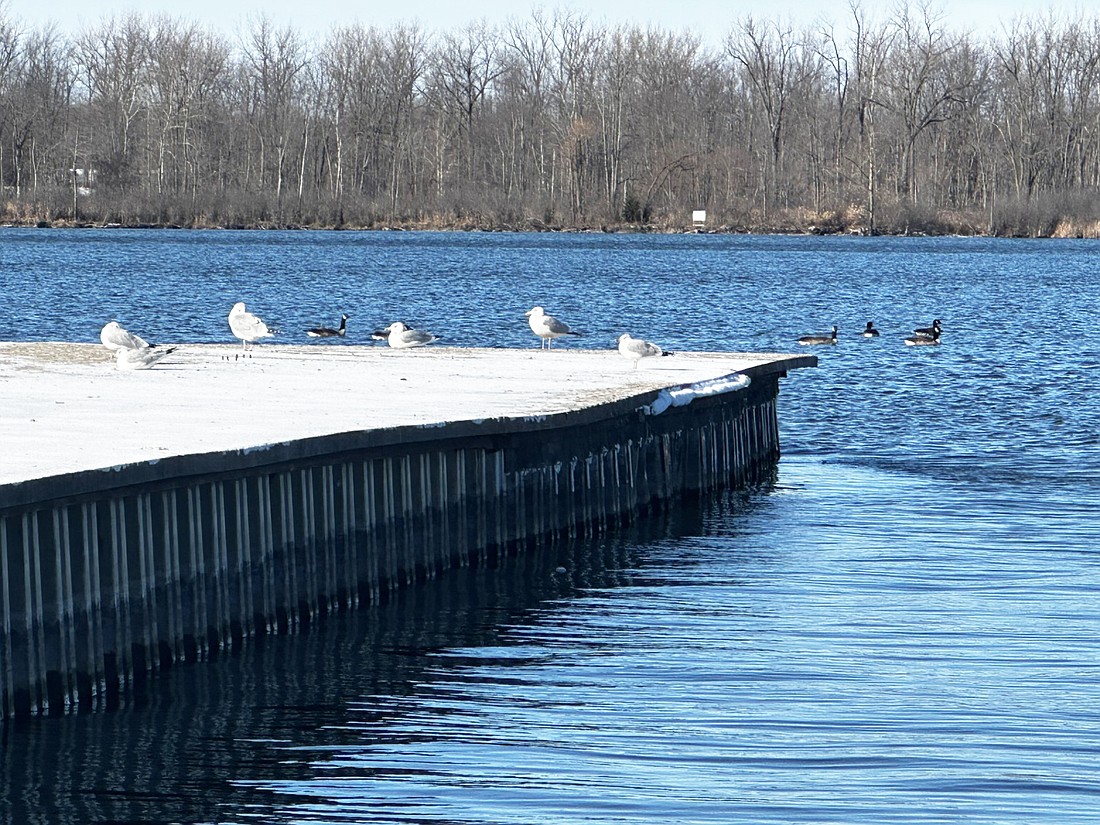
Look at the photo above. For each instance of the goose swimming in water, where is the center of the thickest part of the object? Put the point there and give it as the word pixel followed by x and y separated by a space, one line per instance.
pixel 547 327
pixel 400 336
pixel 924 340
pixel 936 329
pixel 329 332
pixel 869 331
pixel 819 339
pixel 246 326
pixel 636 349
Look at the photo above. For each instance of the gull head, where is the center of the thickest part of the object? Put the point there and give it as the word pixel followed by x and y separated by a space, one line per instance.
pixel 534 311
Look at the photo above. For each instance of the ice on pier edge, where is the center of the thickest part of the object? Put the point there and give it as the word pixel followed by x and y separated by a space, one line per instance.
pixel 681 396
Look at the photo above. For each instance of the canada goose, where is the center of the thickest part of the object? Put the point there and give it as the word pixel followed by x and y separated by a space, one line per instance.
pixel 547 327
pixel 924 340
pixel 636 349
pixel 819 339
pixel 246 326
pixel 869 331
pixel 329 332
pixel 935 328
pixel 400 336
pixel 114 338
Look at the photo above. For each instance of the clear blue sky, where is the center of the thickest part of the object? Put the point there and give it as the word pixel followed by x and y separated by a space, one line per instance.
pixel 710 18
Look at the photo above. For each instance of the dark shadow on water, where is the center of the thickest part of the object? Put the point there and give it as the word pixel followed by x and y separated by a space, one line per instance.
pixel 181 752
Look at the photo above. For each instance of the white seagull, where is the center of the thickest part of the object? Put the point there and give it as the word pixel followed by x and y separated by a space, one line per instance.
pixel 636 349
pixel 246 326
pixel 547 327
pixel 400 336
pixel 140 358
pixel 115 338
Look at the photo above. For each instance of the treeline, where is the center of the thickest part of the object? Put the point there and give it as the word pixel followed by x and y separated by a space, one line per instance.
pixel 871 124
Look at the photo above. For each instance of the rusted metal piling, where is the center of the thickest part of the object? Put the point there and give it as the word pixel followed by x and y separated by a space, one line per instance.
pixel 107 578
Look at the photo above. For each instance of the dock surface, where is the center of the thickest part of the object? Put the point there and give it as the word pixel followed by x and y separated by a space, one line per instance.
pixel 65 408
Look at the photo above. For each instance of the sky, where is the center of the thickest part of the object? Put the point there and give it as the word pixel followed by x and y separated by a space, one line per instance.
pixel 709 18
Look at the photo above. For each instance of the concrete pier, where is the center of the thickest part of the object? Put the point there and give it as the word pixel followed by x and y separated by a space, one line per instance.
pixel 156 517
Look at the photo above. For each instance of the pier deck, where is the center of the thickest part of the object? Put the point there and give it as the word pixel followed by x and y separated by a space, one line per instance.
pixel 65 409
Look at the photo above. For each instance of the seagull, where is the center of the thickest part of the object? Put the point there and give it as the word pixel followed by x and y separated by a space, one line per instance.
pixel 114 338
pixel 819 339
pixel 870 331
pixel 247 326
pixel 329 332
pixel 935 329
pixel 924 340
pixel 547 327
pixel 140 358
pixel 636 349
pixel 400 336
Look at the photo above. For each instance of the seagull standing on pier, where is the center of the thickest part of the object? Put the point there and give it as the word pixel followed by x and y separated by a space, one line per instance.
pixel 547 327
pixel 246 326
pixel 115 338
pixel 636 349
pixel 400 336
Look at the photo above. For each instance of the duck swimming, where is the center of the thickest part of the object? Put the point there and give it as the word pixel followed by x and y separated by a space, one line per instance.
pixel 819 339
pixel 869 331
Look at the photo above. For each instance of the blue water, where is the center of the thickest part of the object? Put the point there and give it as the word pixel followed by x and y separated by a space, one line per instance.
pixel 903 627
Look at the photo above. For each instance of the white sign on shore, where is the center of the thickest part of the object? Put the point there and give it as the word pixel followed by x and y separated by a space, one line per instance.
pixel 699 217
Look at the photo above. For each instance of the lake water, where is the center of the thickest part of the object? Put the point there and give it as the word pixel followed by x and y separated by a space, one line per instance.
pixel 903 627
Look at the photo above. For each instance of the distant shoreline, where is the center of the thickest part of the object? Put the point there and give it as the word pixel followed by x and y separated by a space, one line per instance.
pixel 1079 233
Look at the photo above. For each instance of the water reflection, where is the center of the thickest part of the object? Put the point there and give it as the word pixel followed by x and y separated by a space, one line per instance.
pixel 180 755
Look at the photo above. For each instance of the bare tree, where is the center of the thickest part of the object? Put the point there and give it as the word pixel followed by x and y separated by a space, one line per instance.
pixel 111 61
pixel 923 90
pixel 778 66
pixel 40 102
pixel 272 77
pixel 188 70
pixel 466 64
pixel 872 46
